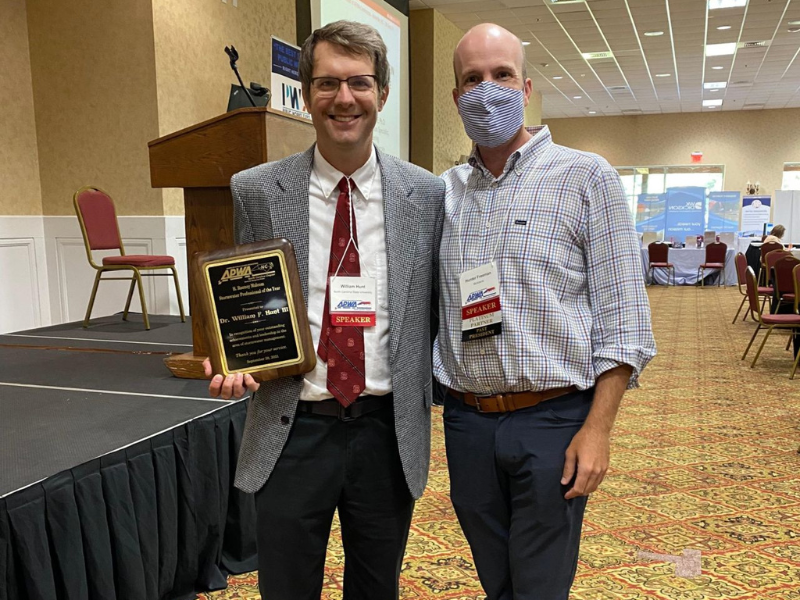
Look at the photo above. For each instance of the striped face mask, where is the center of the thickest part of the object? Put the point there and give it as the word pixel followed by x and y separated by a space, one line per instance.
pixel 492 114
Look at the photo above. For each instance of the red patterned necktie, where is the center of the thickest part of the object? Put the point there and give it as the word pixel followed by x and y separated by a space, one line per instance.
pixel 343 347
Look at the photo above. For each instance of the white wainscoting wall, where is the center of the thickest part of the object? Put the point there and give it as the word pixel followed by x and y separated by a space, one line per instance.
pixel 24 292
pixel 47 279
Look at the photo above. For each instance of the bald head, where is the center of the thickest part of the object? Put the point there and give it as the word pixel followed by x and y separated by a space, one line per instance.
pixel 492 43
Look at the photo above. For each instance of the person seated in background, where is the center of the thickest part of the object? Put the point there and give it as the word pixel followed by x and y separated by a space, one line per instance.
pixel 776 234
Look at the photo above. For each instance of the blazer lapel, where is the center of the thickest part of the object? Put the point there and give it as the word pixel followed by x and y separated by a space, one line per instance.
pixel 402 227
pixel 288 210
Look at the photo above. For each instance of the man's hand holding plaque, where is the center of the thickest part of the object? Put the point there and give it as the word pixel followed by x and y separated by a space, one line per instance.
pixel 232 386
pixel 253 315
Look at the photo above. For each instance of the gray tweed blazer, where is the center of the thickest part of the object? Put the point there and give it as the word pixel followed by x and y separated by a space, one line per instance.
pixel 271 201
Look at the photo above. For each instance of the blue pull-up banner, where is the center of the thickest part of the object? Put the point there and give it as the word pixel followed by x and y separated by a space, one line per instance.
pixel 686 212
pixel 650 213
pixel 723 211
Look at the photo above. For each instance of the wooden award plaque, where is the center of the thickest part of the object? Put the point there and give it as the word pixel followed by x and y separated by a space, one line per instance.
pixel 254 317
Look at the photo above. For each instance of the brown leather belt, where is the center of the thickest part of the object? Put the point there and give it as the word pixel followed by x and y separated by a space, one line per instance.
pixel 511 401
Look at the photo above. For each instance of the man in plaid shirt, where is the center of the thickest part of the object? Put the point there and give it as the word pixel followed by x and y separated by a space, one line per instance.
pixel 545 323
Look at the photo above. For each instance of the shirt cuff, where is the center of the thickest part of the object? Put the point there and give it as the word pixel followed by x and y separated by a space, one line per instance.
pixel 614 356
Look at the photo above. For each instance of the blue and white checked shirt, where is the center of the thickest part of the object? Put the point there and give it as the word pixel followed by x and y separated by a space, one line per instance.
pixel 571 287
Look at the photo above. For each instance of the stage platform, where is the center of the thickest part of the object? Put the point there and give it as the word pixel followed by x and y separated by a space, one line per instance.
pixel 115 476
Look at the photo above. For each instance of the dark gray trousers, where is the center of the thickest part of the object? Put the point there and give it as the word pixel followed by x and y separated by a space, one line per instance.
pixel 328 464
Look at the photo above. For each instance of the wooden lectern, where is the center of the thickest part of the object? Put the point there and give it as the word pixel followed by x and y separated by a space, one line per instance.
pixel 201 159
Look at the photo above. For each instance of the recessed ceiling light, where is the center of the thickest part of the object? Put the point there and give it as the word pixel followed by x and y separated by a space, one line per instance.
pixel 710 107
pixel 793 23
pixel 717 68
pixel 723 27
pixel 526 43
pixel 653 33
pixel 714 4
pixel 720 49
pixel 577 97
pixel 597 55
pixel 592 112
pixel 794 29
pixel 558 77
pixel 712 91
pixel 663 74
pixel 715 85
pixel 710 103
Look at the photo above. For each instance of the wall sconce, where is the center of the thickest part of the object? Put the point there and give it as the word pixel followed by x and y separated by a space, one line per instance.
pixel 752 188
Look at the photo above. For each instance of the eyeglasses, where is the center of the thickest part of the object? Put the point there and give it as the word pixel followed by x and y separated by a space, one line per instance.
pixel 357 84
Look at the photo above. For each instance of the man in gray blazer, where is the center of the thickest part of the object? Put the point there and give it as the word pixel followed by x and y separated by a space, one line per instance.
pixel 352 438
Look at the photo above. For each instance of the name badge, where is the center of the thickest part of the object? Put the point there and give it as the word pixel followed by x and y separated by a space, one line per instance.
pixel 481 316
pixel 352 301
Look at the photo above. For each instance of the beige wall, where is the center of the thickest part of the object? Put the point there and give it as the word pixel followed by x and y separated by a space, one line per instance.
pixel 20 193
pixel 533 112
pixel 753 145
pixel 192 72
pixel 449 139
pixel 93 69
pixel 88 84
pixel 420 39
pixel 437 134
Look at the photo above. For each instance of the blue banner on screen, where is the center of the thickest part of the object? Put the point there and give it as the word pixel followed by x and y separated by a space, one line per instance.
pixel 723 211
pixel 686 212
pixel 755 214
pixel 651 213
pixel 287 93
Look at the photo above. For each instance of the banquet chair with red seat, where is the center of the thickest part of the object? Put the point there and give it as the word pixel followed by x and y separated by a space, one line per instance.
pixel 98 221
pixel 763 292
pixel 782 269
pixel 779 321
pixel 658 258
pixel 715 259
pixel 796 280
pixel 763 273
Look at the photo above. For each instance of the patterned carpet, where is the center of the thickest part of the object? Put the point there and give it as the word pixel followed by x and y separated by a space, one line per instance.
pixel 704 458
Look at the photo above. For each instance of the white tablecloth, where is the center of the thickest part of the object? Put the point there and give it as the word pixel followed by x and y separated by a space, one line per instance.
pixel 686 262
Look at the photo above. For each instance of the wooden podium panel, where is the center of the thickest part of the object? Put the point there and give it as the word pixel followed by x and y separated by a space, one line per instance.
pixel 202 159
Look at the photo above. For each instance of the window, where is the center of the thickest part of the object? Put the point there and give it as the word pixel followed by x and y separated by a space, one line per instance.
pixel 657 179
pixel 791 176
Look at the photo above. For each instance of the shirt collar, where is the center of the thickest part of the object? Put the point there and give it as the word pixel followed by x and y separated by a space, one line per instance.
pixel 539 142
pixel 329 176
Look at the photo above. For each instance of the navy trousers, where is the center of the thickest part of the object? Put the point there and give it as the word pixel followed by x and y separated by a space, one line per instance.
pixel 505 485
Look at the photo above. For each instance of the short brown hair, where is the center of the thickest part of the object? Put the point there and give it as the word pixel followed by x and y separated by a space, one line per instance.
pixel 778 231
pixel 354 38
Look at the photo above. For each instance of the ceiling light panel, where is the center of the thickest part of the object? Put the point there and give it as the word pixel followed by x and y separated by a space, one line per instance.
pixel 628 78
pixel 717 4
pixel 720 49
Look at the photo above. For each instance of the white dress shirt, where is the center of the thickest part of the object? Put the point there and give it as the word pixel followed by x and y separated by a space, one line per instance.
pixel 367 199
